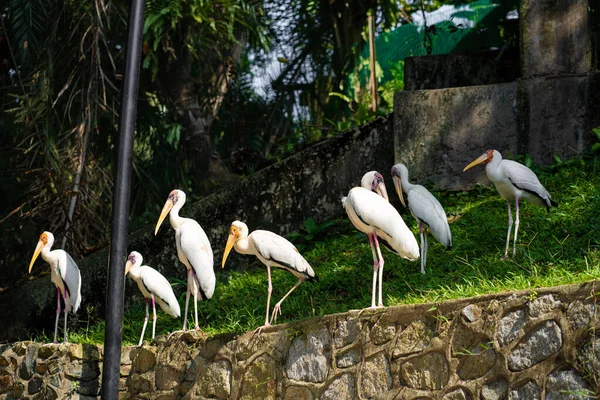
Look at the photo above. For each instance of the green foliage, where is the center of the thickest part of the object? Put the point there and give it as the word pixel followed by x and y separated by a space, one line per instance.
pixel 554 248
pixel 312 230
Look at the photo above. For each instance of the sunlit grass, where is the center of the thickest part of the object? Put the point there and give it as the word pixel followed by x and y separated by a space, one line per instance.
pixel 555 248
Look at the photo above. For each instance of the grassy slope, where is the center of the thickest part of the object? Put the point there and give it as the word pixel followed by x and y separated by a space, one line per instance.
pixel 556 248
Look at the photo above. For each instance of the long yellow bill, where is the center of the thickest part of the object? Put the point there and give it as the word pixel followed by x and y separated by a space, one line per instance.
pixel 163 214
pixel 382 191
pixel 36 253
pixel 398 186
pixel 128 267
pixel 481 159
pixel 228 247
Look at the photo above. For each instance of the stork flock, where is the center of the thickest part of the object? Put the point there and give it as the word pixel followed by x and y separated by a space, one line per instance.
pixel 368 209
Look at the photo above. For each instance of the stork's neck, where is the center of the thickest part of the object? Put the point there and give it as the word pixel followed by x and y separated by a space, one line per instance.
pixel 174 218
pixel 135 272
pixel 47 254
pixel 243 246
pixel 406 185
pixel 492 169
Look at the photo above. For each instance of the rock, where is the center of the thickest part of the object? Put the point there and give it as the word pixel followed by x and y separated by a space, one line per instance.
pixel 34 385
pixel 381 334
pixel 216 381
pixel 6 381
pixel 3 361
pixel 471 313
pixel 298 393
pixel 495 390
pixel 580 314
pixel 340 388
pixel 53 366
pixel 588 356
pixel 425 372
pixel 26 369
pixel 143 359
pixel 567 385
pixel 126 355
pixel 56 381
pixel 349 358
pixel 140 383
pixel 168 377
pixel 84 371
pixel 90 388
pixel 76 351
pixel 20 348
pixel 542 305
pixel 375 377
pixel 457 394
pixel 413 339
pixel 124 370
pixel 540 343
pixel 40 367
pixel 528 391
pixel 346 332
pixel 48 393
pixel 18 390
pixel 510 326
pixel 46 351
pixel 260 379
pixel 477 364
pixel 308 357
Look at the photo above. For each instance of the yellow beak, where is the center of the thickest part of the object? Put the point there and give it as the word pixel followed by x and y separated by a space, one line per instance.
pixel 398 186
pixel 481 159
pixel 36 253
pixel 166 208
pixel 382 191
pixel 128 267
pixel 230 242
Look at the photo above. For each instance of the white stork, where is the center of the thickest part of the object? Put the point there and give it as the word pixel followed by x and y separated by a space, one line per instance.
pixel 426 209
pixel 513 181
pixel 193 250
pixel 371 213
pixel 64 274
pixel 154 286
pixel 273 251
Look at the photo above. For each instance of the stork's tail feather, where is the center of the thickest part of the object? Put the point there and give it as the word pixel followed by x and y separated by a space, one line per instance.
pixel 552 204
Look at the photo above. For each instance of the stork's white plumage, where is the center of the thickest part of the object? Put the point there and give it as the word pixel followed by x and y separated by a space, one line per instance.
pixel 371 213
pixel 64 274
pixel 273 251
pixel 154 286
pixel 426 209
pixel 513 181
pixel 193 250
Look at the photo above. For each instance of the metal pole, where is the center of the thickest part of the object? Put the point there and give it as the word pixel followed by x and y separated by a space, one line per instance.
pixel 120 215
pixel 373 59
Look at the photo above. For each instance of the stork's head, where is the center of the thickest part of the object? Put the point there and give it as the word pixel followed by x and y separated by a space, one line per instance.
pixel 46 239
pixel 238 230
pixel 484 158
pixel 176 197
pixel 373 181
pixel 399 174
pixel 134 259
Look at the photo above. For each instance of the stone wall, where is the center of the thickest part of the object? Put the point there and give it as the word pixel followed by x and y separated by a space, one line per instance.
pixel 529 345
pixel 280 198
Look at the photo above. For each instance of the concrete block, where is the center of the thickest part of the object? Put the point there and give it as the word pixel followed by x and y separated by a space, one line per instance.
pixel 555 37
pixel 438 132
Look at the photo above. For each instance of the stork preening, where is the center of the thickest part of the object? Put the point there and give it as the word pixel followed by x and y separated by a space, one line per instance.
pixel 154 286
pixel 193 250
pixel 64 274
pixel 426 209
pixel 370 212
pixel 273 251
pixel 513 181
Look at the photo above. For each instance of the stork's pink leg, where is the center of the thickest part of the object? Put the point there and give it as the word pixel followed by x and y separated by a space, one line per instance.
pixel 67 309
pixel 277 308
pixel 375 268
pixel 154 316
pixel 510 224
pixel 187 302
pixel 196 288
pixel 422 248
pixel 57 314
pixel 380 303
pixel 516 225
pixel 145 323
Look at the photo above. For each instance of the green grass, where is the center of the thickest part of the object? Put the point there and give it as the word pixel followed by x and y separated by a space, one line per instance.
pixel 554 248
